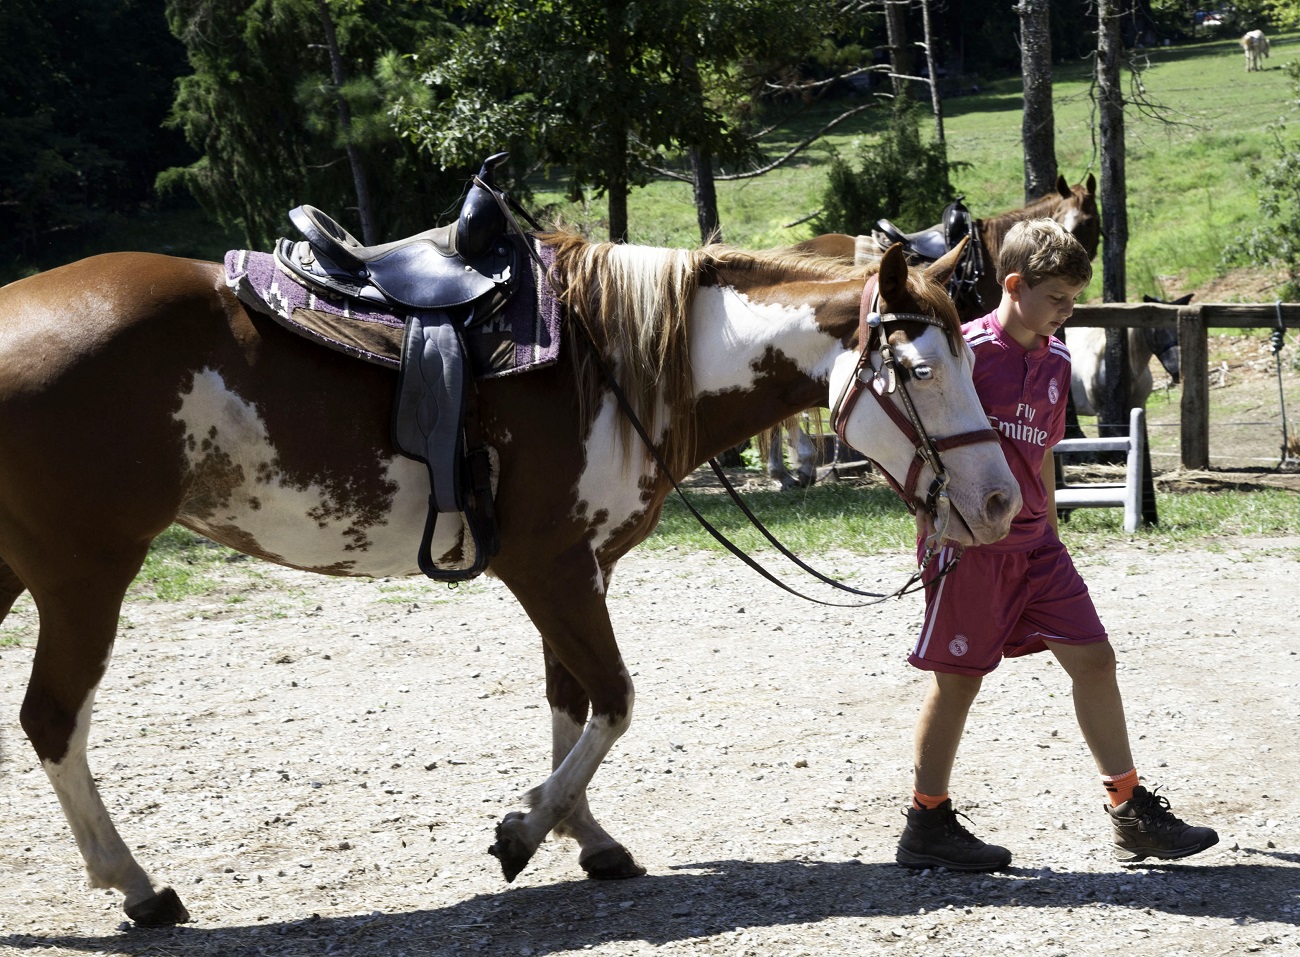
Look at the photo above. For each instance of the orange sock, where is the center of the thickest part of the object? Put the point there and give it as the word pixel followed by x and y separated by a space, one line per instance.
pixel 1119 787
pixel 927 802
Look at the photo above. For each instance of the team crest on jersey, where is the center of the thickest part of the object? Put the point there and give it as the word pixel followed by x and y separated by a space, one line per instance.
pixel 1053 391
pixel 958 646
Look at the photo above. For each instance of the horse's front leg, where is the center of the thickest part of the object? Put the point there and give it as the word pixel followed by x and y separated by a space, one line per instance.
pixel 600 855
pixel 570 613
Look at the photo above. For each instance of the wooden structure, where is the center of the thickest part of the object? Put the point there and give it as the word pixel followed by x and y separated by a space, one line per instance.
pixel 1192 322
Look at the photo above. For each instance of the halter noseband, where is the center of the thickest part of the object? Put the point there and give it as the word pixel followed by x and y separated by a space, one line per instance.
pixel 891 377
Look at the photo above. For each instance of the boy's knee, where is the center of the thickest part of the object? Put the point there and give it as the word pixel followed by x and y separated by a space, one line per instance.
pixel 1084 662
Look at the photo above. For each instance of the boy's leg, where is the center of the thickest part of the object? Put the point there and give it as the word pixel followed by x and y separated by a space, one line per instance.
pixel 939 729
pixel 1144 826
pixel 1097 702
pixel 933 836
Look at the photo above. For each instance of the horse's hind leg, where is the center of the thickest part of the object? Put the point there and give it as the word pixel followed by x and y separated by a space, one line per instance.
pixel 11 587
pixel 78 610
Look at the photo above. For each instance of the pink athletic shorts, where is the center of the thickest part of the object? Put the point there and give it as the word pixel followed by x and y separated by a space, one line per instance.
pixel 1002 604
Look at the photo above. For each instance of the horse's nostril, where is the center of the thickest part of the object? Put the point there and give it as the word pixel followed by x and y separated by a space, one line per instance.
pixel 997 507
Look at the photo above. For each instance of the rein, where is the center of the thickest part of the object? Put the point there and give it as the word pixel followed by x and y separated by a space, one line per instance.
pixel 938 490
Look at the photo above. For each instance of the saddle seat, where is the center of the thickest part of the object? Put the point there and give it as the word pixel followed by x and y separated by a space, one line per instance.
pixel 927 244
pixel 440 268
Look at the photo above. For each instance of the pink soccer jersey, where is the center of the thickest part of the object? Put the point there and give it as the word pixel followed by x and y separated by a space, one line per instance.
pixel 1024 394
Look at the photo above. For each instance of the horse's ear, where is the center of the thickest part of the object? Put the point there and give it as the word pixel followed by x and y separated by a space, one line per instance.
pixel 892 277
pixel 1092 183
pixel 1063 187
pixel 941 269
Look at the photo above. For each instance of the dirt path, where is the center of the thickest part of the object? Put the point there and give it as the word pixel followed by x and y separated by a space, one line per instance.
pixel 317 767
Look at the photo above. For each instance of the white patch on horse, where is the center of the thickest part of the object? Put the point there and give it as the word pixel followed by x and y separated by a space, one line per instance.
pixel 609 491
pixel 303 527
pixel 725 355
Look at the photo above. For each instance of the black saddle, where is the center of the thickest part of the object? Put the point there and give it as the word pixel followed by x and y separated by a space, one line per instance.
pixel 448 266
pixel 929 245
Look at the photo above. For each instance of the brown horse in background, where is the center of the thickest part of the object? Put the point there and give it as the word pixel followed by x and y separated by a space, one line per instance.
pixel 136 391
pixel 1074 207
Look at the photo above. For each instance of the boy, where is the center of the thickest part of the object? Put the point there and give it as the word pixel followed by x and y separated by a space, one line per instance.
pixel 1022 594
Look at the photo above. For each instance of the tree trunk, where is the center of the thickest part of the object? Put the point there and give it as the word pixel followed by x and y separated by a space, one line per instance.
pixel 706 195
pixel 617 186
pixel 900 52
pixel 1113 415
pixel 1038 126
pixel 936 99
pixel 365 207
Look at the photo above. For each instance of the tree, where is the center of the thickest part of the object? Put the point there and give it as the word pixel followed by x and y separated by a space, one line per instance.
pixel 84 86
pixel 900 178
pixel 1114 206
pixel 263 108
pixel 1038 125
pixel 603 88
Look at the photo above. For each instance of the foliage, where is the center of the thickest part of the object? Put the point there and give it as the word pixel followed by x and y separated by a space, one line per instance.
pixel 1277 237
pixel 600 88
pixel 83 91
pixel 900 178
pixel 262 108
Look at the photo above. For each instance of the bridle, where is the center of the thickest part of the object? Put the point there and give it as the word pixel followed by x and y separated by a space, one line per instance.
pixel 890 377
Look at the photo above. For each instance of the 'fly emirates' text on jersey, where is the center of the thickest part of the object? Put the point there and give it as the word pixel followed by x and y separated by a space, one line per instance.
pixel 1023 392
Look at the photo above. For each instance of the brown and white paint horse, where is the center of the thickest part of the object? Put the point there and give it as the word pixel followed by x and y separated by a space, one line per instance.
pixel 136 391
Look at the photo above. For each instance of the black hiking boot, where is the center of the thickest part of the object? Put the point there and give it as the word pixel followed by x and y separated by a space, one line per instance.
pixel 935 838
pixel 1145 827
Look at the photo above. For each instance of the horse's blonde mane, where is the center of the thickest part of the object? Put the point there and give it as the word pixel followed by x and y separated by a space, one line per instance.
pixel 634 303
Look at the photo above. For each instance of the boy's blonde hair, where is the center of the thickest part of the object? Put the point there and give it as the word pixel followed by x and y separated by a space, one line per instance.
pixel 1041 249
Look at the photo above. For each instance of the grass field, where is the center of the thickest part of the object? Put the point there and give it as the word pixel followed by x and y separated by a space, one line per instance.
pixel 1196 124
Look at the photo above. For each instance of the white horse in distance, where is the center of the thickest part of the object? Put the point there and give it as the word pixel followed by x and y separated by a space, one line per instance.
pixel 1256 46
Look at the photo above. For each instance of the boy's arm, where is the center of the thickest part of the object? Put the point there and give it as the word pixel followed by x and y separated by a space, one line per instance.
pixel 1049 484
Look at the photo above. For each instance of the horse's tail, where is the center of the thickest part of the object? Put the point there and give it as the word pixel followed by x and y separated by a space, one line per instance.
pixel 11 587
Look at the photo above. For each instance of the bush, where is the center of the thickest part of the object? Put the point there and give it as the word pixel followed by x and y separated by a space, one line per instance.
pixel 898 178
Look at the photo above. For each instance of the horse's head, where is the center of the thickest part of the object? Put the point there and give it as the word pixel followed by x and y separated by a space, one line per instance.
pixel 1078 213
pixel 906 398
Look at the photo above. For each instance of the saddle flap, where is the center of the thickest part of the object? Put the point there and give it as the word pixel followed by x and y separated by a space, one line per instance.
pixel 429 407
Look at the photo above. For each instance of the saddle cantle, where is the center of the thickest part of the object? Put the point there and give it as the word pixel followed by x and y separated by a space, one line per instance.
pixel 929 245
pixel 473 260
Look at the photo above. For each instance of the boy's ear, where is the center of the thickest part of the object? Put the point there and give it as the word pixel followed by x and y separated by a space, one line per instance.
pixel 1014 284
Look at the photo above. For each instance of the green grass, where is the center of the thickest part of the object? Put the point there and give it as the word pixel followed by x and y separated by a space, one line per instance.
pixel 182 565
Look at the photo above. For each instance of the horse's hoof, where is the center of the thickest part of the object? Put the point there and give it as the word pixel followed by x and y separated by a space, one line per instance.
pixel 611 864
pixel 161 910
pixel 511 850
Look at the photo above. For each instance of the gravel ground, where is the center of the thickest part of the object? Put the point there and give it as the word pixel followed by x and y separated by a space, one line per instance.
pixel 317 766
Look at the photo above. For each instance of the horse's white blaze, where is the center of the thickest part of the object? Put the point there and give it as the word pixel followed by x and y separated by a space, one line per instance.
pixel 731 334
pixel 947 405
pixel 256 500
pixel 108 861
pixel 1071 219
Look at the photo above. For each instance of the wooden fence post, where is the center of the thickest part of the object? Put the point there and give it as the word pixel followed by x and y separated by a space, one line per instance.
pixel 1194 357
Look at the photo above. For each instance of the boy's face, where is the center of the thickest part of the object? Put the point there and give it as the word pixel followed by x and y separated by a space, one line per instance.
pixel 1038 310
